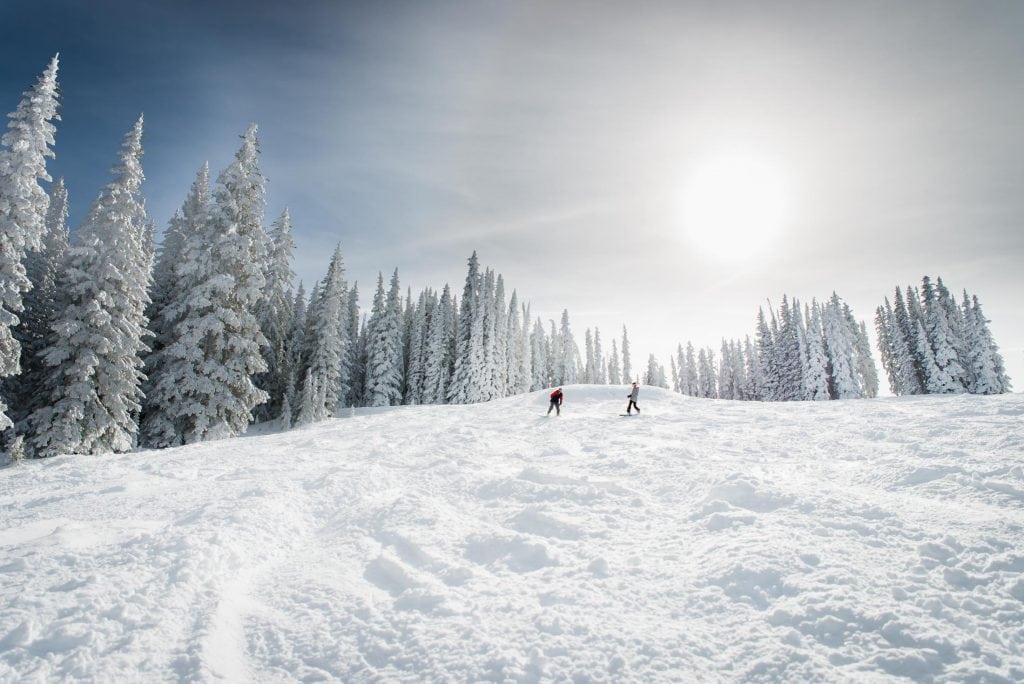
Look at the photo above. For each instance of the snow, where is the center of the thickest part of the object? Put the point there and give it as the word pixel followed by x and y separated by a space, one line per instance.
pixel 705 539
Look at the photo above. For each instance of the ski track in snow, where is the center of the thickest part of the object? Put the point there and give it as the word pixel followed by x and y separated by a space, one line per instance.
pixel 713 540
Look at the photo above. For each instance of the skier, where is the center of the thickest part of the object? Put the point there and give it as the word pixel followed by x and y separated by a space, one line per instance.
pixel 632 400
pixel 556 402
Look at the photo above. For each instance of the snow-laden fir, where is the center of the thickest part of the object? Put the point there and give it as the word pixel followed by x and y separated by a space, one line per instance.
pixel 736 541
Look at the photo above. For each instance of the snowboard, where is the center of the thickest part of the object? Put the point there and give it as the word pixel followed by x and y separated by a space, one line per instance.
pixel 625 415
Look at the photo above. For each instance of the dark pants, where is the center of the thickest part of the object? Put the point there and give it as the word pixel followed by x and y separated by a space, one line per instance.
pixel 632 405
pixel 557 405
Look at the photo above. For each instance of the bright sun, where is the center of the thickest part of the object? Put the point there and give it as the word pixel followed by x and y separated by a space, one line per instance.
pixel 733 206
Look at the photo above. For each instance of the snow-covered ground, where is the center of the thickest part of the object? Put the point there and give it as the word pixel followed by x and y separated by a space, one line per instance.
pixel 702 540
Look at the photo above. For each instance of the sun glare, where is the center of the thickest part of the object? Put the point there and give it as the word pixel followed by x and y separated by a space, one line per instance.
pixel 733 206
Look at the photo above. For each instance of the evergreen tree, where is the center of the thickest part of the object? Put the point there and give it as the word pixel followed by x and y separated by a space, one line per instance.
pixel 94 376
pixel 599 369
pixel 767 371
pixel 839 351
pixel 754 383
pixel 614 371
pixel 23 207
pixel 904 349
pixel 205 389
pixel 986 362
pixel 691 376
pixel 567 368
pixel 438 361
pixel 949 375
pixel 706 380
pixel 327 372
pixel 355 352
pixel 43 268
pixel 466 383
pixel 275 316
pixel 539 356
pixel 175 278
pixel 627 369
pixel 816 381
pixel 416 365
pixel 384 347
pixel 590 371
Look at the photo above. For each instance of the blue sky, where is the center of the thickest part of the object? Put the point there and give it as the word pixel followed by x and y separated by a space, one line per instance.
pixel 555 139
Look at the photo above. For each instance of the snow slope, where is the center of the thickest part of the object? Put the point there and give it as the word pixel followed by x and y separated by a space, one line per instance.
pixel 704 539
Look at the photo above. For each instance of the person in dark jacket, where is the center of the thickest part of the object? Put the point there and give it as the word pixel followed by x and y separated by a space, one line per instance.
pixel 632 400
pixel 556 402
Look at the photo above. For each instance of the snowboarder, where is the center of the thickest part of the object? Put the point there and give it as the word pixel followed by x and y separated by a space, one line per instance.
pixel 632 400
pixel 556 402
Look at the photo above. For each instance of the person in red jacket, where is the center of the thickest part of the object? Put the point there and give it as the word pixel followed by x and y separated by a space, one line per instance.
pixel 556 402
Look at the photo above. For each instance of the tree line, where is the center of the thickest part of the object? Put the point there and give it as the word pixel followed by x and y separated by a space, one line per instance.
pixel 809 352
pixel 109 342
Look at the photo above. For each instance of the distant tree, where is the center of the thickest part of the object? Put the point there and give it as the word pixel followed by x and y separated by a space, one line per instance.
pixel 275 316
pixel 614 371
pixel 627 369
pixel 384 347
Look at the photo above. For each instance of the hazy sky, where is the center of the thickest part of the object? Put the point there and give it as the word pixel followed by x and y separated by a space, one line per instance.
pixel 556 138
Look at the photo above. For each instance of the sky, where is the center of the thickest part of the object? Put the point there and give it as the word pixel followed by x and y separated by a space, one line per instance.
pixel 561 140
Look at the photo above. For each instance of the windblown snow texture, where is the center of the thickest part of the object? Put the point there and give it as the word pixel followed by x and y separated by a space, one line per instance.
pixel 706 540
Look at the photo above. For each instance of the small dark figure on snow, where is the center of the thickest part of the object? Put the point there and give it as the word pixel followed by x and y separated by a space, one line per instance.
pixel 632 400
pixel 556 402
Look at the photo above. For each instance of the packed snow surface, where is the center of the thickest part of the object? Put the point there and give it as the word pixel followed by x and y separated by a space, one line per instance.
pixel 702 540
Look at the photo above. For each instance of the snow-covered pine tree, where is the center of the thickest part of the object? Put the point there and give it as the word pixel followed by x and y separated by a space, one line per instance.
pixel 526 356
pixel 839 350
pixel 650 376
pixel 627 368
pixel 883 328
pixel 726 389
pixel 296 345
pixel 904 349
pixel 988 369
pixel 384 347
pixel 754 382
pixel 437 357
pixel 499 362
pixel 355 352
pixel 600 377
pixel 589 371
pixel 416 365
pixel 767 371
pixel 407 312
pixel 816 380
pixel 706 380
pixel 867 373
pixel 614 371
pixel 787 354
pixel 691 376
pixel 465 386
pixel 43 268
pixel 206 388
pixel 94 376
pixel 175 277
pixel 23 206
pixel 539 357
pixel 950 374
pixel 275 316
pixel 954 317
pixel 569 356
pixel 515 350
pixel 328 342
pixel 554 345
pixel 675 372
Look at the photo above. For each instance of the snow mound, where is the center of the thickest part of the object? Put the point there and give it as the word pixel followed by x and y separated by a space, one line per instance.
pixel 856 540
